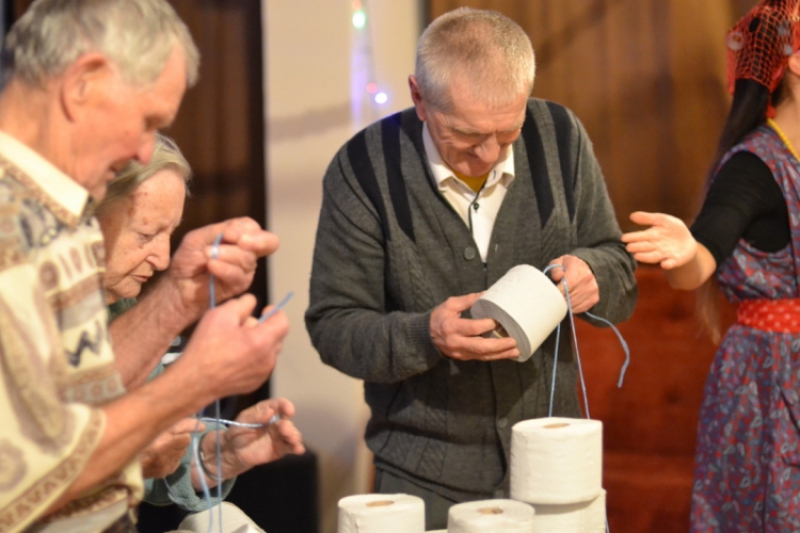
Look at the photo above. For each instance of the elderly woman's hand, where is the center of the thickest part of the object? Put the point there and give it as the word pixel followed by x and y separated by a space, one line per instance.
pixel 164 454
pixel 244 448
pixel 243 243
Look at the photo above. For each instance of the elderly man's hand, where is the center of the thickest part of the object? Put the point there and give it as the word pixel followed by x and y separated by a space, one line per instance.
pixel 164 454
pixel 460 338
pixel 243 243
pixel 584 292
pixel 231 352
pixel 243 448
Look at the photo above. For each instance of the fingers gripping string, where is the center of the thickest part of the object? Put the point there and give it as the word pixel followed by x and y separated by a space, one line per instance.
pixel 577 350
pixel 212 290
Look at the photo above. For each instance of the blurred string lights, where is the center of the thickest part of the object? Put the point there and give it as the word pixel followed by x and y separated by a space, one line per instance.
pixel 367 95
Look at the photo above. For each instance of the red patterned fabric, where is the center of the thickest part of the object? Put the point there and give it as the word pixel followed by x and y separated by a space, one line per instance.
pixel 782 316
pixel 760 44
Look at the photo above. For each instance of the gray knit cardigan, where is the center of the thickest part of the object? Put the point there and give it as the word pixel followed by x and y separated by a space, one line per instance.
pixel 389 249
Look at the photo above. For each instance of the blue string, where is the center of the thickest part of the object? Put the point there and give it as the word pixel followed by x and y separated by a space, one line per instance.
pixel 212 294
pixel 217 409
pixel 278 307
pixel 577 350
pixel 275 418
pixel 578 354
pixel 622 342
pixel 217 412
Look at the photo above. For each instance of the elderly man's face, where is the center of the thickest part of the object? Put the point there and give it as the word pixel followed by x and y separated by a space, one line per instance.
pixel 472 136
pixel 137 231
pixel 124 123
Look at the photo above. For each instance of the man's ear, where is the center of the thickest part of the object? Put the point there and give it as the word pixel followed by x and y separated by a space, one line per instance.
pixel 82 82
pixel 416 97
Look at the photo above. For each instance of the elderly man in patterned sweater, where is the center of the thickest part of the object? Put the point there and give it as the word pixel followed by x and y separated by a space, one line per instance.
pixel 88 85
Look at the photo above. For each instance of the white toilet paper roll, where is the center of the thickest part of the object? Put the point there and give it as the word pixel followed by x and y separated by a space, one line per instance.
pixel 234 520
pixel 490 516
pixel 584 517
pixel 526 304
pixel 381 513
pixel 556 460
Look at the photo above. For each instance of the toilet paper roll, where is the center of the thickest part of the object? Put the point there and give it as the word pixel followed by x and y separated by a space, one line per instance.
pixel 584 517
pixel 556 460
pixel 234 520
pixel 490 516
pixel 527 306
pixel 381 513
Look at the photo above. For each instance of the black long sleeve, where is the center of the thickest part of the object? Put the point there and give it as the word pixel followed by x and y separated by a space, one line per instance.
pixel 744 201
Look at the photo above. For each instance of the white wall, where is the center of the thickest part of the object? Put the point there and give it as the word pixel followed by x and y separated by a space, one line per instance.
pixel 311 112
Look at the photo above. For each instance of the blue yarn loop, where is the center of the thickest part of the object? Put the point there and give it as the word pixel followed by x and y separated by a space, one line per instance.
pixel 577 350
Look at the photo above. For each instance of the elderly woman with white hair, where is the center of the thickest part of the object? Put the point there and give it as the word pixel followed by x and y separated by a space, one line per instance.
pixel 141 210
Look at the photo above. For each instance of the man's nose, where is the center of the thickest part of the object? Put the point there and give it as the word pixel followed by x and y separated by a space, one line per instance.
pixel 489 150
pixel 146 147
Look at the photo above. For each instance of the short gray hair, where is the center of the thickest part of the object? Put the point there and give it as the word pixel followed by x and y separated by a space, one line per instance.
pixel 485 48
pixel 166 156
pixel 136 35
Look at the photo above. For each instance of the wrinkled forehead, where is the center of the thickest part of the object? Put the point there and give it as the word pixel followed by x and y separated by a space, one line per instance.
pixel 473 114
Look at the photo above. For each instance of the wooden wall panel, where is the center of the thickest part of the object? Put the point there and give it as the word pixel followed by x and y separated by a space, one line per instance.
pixel 646 77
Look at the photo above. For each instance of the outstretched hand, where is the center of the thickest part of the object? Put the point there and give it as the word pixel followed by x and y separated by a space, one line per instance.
pixel 667 241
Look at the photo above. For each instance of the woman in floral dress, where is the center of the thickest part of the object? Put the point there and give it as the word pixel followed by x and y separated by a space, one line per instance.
pixel 747 240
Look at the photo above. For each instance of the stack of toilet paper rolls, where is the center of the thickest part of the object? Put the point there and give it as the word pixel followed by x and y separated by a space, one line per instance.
pixel 556 487
pixel 557 467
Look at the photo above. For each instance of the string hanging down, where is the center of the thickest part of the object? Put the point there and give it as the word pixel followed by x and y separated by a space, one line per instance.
pixel 577 350
pixel 578 354
pixel 202 472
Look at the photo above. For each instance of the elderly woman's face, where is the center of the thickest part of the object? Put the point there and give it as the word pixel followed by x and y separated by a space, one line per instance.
pixel 137 230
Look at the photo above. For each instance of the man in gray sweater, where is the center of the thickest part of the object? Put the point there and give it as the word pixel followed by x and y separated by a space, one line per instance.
pixel 424 210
